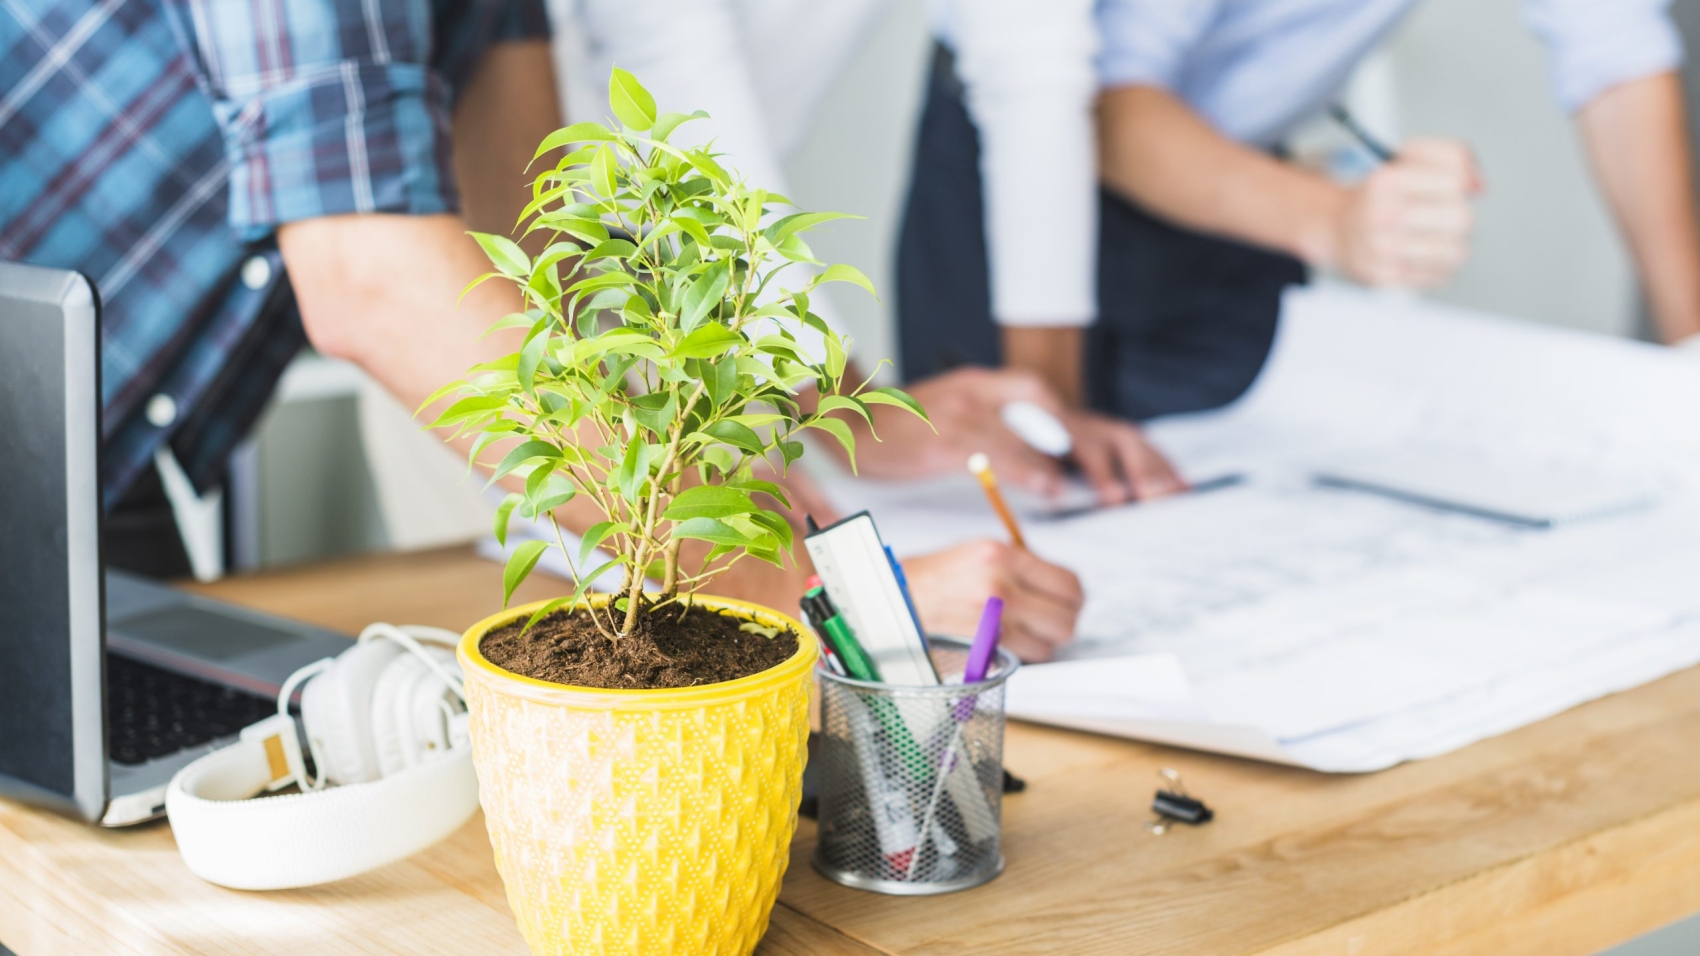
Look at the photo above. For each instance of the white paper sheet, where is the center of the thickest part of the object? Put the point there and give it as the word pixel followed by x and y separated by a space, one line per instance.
pixel 1346 631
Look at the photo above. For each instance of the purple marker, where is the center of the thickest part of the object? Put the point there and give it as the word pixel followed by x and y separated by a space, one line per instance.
pixel 981 652
pixel 985 644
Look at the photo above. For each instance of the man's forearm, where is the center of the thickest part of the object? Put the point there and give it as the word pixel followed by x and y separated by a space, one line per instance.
pixel 381 291
pixel 1157 152
pixel 1054 353
pixel 1637 138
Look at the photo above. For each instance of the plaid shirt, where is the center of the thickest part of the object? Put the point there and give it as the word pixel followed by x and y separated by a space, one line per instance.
pixel 156 145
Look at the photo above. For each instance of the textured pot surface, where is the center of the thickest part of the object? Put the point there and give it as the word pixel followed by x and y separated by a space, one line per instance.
pixel 641 821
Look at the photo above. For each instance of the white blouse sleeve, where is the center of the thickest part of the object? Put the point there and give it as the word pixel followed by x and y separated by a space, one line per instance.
pixel 691 55
pixel 1028 70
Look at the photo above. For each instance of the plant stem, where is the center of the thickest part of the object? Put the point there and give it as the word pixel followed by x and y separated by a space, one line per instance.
pixel 577 587
pixel 634 596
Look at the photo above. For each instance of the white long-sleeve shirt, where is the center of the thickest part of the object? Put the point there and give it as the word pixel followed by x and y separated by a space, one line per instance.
pixel 761 67
pixel 1256 68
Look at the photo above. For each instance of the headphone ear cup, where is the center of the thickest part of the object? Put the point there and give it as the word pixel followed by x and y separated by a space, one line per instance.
pixel 336 708
pixel 409 720
pixel 392 733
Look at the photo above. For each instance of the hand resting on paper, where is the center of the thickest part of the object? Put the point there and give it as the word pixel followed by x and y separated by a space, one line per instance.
pixel 965 407
pixel 1041 601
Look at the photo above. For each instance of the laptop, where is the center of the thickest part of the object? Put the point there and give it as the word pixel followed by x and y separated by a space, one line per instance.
pixel 109 683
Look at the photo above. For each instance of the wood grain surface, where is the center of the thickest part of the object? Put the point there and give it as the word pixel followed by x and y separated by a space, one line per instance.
pixel 1560 839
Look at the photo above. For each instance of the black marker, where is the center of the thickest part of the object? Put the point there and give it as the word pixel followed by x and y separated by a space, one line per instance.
pixel 1359 133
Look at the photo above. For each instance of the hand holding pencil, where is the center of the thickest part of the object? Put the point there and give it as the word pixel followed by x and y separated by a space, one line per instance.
pixel 981 466
pixel 1041 601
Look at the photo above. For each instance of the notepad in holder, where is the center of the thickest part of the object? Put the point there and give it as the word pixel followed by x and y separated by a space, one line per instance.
pixel 851 561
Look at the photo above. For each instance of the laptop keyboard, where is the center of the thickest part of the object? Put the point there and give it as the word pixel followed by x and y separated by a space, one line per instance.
pixel 152 712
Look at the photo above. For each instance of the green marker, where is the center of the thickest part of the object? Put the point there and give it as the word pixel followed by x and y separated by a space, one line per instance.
pixel 837 631
pixel 823 615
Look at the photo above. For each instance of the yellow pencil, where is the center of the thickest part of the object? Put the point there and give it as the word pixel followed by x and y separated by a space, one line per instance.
pixel 982 469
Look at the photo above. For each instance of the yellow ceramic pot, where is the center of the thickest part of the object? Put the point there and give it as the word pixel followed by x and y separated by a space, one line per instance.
pixel 641 821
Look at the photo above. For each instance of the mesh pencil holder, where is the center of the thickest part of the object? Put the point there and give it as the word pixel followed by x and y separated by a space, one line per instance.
pixel 911 779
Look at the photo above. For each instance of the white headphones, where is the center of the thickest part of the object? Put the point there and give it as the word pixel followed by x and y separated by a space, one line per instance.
pixel 386 724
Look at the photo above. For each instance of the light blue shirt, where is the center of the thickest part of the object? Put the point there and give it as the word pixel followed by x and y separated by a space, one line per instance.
pixel 1256 68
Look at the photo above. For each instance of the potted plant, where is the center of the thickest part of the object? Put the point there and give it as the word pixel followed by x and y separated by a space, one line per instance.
pixel 640 753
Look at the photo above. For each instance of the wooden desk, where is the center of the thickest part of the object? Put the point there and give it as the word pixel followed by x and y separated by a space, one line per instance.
pixel 1559 840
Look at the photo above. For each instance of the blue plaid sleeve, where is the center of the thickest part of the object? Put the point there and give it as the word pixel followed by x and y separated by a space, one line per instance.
pixel 325 106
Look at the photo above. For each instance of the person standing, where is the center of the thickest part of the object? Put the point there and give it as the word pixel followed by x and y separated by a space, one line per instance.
pixel 1204 221
pixel 773 62
pixel 241 180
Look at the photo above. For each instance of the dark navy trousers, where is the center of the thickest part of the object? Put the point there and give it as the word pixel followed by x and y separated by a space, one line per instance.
pixel 1185 320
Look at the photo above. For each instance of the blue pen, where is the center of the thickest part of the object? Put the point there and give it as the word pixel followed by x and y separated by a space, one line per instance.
pixel 903 586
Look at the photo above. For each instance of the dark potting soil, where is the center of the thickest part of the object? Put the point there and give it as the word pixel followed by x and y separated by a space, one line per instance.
pixel 664 649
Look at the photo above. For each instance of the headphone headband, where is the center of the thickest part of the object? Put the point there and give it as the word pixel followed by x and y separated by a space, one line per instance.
pixel 322 834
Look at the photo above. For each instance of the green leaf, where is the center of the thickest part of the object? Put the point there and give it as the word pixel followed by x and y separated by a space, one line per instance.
pixel 618 248
pixel 545 491
pixel 706 165
pixel 841 431
pixel 704 294
pixel 832 403
pixel 576 133
pixel 710 530
pixel 655 411
pixel 503 511
pixel 520 563
pixel 765 487
pixel 503 253
pixel 843 273
pixel 597 534
pixel 758 419
pixel 634 468
pixel 794 249
pixel 585 581
pixel 709 501
pixel 513 320
pixel 544 612
pixel 793 224
pixel 722 381
pixel 631 103
pixel 589 230
pixel 894 396
pixel 475 283
pixel 739 436
pixel 693 229
pixel 668 122
pixel 775 524
pixel 603 281
pixel 440 394
pixel 835 357
pixel 531 356
pixel 720 457
pixel 522 453
pixel 708 341
pixel 781 346
pixel 468 408
pixel 791 450
pixel 602 170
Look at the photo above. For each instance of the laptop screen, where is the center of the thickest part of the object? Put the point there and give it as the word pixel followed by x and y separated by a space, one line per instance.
pixel 50 648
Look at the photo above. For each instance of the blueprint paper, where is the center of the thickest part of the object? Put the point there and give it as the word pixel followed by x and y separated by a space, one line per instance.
pixel 1348 631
